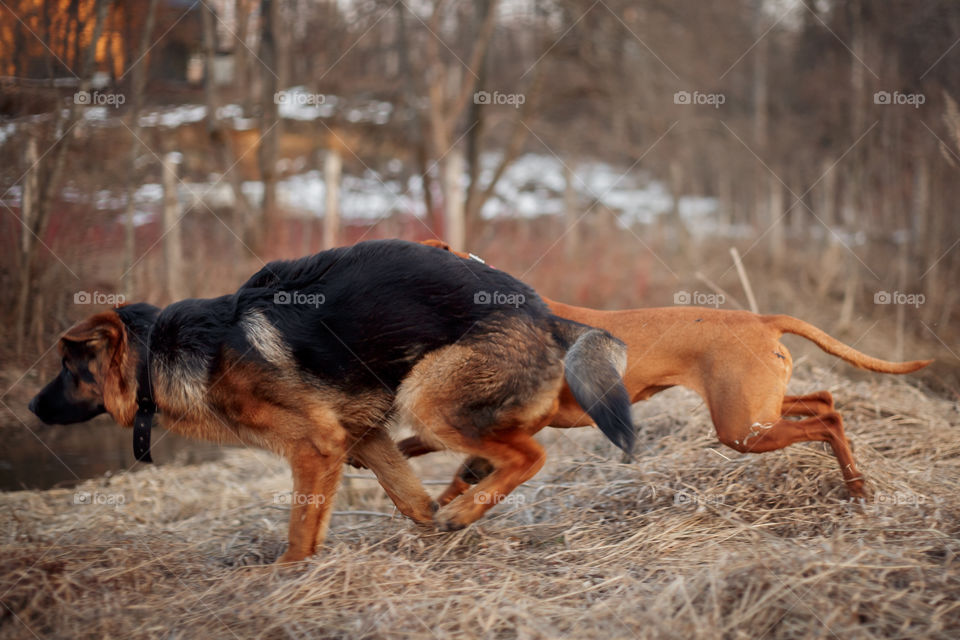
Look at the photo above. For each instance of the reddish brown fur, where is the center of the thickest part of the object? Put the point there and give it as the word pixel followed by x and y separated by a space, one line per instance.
pixel 114 366
pixel 733 359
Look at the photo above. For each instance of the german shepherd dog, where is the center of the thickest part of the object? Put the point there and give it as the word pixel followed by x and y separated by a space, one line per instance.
pixel 315 358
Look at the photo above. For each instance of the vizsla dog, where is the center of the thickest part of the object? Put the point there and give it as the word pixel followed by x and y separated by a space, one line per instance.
pixel 733 359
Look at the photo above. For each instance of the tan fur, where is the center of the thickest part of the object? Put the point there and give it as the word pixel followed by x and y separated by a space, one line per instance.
pixel 447 379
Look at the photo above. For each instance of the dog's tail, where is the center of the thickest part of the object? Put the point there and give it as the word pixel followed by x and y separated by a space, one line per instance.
pixel 789 324
pixel 593 368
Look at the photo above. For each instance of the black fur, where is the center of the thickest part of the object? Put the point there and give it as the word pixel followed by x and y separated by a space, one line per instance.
pixel 139 319
pixel 591 373
pixel 385 304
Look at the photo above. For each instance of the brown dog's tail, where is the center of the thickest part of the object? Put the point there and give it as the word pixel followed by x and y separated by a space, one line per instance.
pixel 789 324
pixel 593 367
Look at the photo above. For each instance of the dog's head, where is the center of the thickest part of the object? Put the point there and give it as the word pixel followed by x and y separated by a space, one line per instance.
pixel 98 374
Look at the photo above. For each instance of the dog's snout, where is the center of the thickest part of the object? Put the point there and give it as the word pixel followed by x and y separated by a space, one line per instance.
pixel 33 405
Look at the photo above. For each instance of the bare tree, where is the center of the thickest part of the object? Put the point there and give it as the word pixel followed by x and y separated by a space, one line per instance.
pixel 332 168
pixel 52 163
pixel 243 219
pixel 449 92
pixel 172 240
pixel 138 85
pixel 270 122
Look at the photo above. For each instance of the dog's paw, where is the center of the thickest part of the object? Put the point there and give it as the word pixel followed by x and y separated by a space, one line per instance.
pixel 289 557
pixel 858 490
pixel 450 518
pixel 423 513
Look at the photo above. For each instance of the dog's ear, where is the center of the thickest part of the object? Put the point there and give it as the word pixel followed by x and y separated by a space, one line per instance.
pixel 102 327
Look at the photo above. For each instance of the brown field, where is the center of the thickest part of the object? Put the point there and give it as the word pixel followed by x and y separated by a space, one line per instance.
pixel 691 540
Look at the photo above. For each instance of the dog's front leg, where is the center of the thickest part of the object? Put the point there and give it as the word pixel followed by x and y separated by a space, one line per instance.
pixel 316 476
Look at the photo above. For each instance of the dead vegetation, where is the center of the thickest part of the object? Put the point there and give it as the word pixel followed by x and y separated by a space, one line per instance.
pixel 691 540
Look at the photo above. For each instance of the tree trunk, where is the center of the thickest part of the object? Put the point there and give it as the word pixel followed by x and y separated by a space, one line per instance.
pixel 848 306
pixel 778 242
pixel 571 215
pixel 55 158
pixel 454 200
pixel 679 238
pixel 241 55
pixel 762 188
pixel 332 169
pixel 242 222
pixel 28 199
pixel 28 216
pixel 448 93
pixel 138 85
pixel 901 309
pixel 172 244
pixel 475 127
pixel 270 124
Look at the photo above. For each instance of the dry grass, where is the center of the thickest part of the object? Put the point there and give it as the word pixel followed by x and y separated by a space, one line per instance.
pixel 689 541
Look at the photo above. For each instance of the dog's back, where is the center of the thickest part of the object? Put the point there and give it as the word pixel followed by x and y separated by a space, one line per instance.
pixel 364 315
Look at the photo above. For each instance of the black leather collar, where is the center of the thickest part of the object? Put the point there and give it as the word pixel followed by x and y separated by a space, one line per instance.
pixel 146 408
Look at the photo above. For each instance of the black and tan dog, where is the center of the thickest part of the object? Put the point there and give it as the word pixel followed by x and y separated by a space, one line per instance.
pixel 312 358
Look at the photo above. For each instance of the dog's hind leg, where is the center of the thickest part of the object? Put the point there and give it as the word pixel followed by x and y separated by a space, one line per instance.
pixel 515 456
pixel 486 400
pixel 758 437
pixel 413 446
pixel 811 404
pixel 316 476
pixel 472 471
pixel 378 452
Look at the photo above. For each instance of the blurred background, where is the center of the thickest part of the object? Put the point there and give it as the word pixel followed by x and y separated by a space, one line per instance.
pixel 612 154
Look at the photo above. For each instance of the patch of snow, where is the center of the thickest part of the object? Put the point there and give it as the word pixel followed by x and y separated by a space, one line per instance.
pixel 149 192
pixel 6 131
pixel 12 196
pixel 175 117
pixel 96 114
pixel 296 103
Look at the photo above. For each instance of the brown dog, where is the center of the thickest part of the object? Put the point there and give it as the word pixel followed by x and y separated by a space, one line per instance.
pixel 733 359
